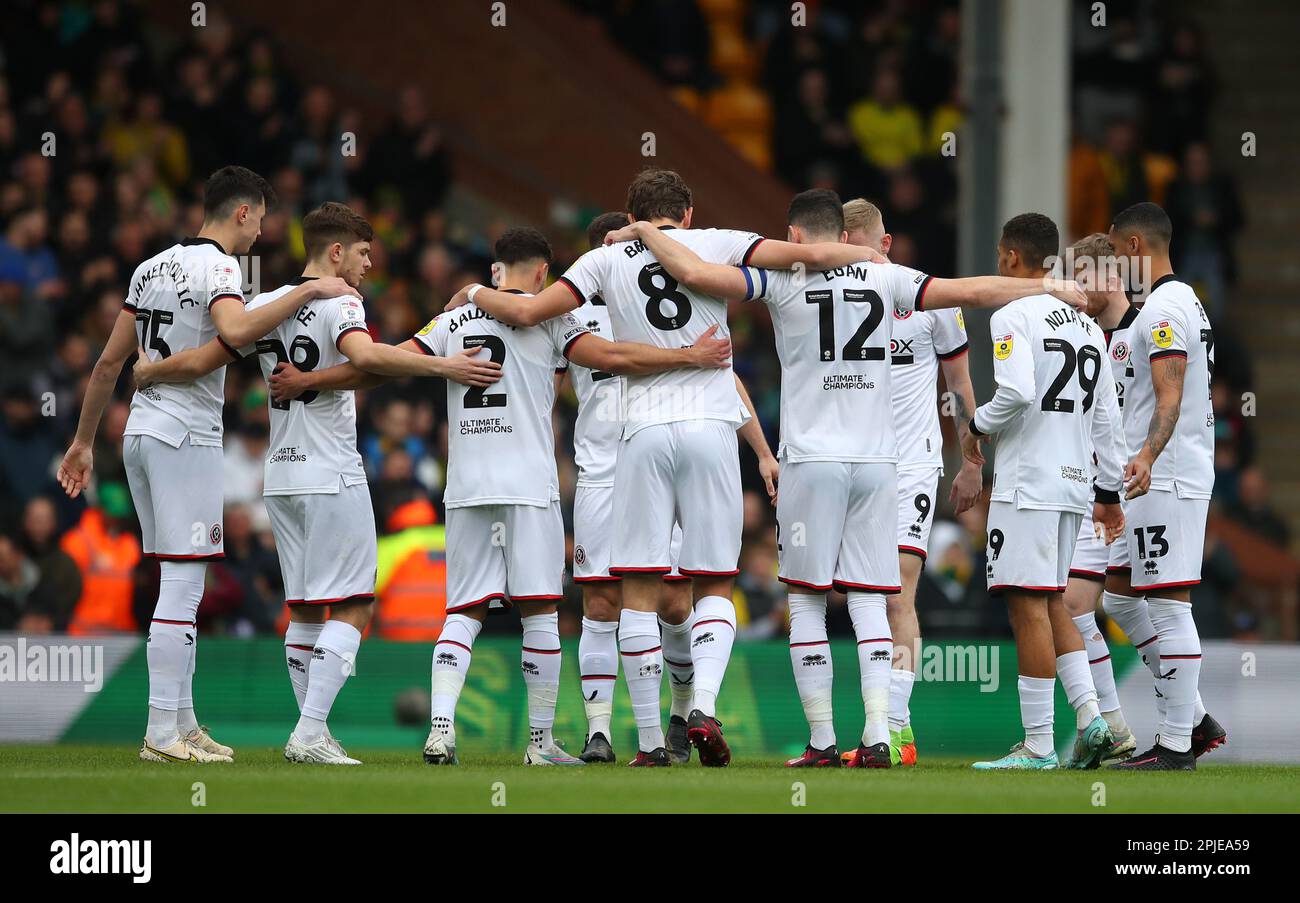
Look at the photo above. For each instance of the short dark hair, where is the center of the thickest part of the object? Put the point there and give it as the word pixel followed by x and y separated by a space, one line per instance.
pixel 520 244
pixel 656 193
pixel 603 225
pixel 818 211
pixel 1148 220
pixel 331 222
pixel 231 186
pixel 1032 235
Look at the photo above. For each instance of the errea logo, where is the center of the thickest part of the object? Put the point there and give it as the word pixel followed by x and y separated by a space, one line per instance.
pixel 103 857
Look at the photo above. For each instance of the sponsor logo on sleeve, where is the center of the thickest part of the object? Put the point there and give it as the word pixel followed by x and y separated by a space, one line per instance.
pixel 1002 346
pixel 1162 334
pixel 428 327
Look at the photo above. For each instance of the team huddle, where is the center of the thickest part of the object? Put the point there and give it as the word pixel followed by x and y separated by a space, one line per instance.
pixel 1102 470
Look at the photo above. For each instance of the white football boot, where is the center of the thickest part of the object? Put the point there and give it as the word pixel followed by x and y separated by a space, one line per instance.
pixel 551 754
pixel 180 751
pixel 440 749
pixel 323 751
pixel 203 740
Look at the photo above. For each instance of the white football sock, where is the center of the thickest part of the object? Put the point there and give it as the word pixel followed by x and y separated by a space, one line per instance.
pixel 598 668
pixel 1036 710
pixel 333 662
pixel 1132 616
pixel 677 659
pixel 299 643
pixel 900 698
pixel 1103 675
pixel 810 659
pixel 541 650
pixel 172 635
pixel 875 662
pixel 1180 657
pixel 643 667
pixel 451 657
pixel 712 635
pixel 1076 679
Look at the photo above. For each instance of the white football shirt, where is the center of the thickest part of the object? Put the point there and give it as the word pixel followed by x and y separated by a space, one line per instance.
pixel 1119 345
pixel 920 340
pixel 170 294
pixel 313 447
pixel 833 332
pixel 647 305
pixel 501 442
pixel 1054 406
pixel 599 424
pixel 1172 322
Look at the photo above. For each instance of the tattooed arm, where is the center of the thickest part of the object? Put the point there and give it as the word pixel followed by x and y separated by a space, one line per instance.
pixel 1167 381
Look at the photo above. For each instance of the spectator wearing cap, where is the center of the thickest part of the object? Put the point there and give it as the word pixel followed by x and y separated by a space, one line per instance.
pixel 106 553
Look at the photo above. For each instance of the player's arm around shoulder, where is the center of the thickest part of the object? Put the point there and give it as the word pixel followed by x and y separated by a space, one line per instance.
pixel 684 265
pixel 633 358
pixel 241 325
pixel 183 366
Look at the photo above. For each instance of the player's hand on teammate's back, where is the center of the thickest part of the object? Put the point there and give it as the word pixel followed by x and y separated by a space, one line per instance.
pixel 333 287
pixel 469 368
pixel 75 470
pixel 966 487
pixel 287 382
pixel 1108 521
pixel 970 449
pixel 1137 477
pixel 1066 290
pixel 710 353
pixel 142 372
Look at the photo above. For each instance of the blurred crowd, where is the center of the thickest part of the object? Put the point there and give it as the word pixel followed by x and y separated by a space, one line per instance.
pixel 107 133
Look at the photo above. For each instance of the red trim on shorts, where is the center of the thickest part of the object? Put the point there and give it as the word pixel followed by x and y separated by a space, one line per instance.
pixel 651 571
pixel 357 597
pixel 598 579
pixel 165 621
pixel 1027 589
pixel 1165 585
pixel 545 598
pixel 693 573
pixel 452 643
pixel 1118 569
pixel 452 609
pixel 913 550
pixel 843 587
pixel 804 584
pixel 1087 575
pixel 643 651
pixel 216 556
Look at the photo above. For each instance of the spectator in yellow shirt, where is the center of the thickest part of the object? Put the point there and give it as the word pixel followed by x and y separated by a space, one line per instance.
pixel 888 130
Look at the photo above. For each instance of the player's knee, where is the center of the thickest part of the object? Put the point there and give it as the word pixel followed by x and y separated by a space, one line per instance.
pixel 675 602
pixel 601 602
pixel 712 586
pixel 529 609
pixel 1118 584
pixel 357 614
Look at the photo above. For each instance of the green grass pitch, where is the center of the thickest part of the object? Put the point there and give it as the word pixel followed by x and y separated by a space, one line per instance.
pixel 101 779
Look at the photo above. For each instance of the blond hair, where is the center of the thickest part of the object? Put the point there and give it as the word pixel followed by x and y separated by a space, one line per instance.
pixel 860 213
